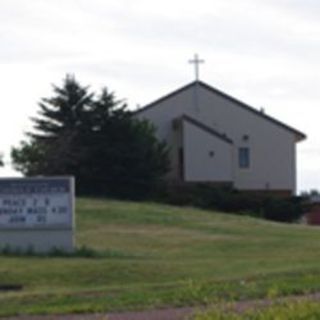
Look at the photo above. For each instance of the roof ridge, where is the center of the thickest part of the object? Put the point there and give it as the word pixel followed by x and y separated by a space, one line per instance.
pixel 301 135
pixel 167 96
pixel 252 109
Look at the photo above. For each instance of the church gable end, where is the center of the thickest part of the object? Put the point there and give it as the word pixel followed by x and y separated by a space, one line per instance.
pixel 214 137
pixel 299 135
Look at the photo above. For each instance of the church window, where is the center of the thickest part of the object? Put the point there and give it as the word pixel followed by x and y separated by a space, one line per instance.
pixel 244 158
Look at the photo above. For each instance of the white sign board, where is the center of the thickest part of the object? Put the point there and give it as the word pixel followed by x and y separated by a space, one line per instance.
pixel 36 203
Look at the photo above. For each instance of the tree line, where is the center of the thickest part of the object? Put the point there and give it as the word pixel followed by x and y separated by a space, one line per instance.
pixel 96 138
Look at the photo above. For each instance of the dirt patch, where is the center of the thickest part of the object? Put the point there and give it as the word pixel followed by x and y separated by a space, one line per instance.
pixel 167 314
pixel 163 314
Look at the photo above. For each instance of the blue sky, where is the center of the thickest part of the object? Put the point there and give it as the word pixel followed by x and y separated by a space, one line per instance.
pixel 264 52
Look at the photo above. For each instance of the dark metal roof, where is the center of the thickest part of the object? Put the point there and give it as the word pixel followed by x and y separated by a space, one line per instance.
pixel 299 134
pixel 209 130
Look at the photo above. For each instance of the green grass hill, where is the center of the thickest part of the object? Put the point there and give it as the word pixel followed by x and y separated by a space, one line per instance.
pixel 146 255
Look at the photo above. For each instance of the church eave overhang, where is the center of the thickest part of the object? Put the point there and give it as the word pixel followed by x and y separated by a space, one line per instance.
pixel 206 128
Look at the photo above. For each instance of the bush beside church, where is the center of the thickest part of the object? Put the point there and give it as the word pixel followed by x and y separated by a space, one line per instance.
pixel 226 199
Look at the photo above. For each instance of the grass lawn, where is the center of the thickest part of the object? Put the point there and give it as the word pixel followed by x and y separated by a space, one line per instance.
pixel 151 256
pixel 297 310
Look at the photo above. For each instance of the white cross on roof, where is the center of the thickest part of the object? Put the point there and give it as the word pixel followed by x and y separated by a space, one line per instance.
pixel 196 61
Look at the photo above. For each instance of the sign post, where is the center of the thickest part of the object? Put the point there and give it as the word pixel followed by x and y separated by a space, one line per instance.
pixel 37 214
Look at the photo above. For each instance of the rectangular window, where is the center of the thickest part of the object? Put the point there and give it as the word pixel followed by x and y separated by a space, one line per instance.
pixel 244 158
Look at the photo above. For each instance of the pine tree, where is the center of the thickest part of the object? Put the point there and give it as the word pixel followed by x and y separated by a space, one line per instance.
pixel 96 139
pixel 63 113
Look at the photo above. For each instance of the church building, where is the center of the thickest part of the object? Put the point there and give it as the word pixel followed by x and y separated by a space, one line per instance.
pixel 217 139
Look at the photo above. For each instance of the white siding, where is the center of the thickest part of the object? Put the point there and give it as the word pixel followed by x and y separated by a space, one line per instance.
pixel 272 147
pixel 199 165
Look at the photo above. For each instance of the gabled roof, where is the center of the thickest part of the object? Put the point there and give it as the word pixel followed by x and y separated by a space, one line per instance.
pixel 299 134
pixel 207 129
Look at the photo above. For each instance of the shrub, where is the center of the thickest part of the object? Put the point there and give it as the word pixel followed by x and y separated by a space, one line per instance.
pixel 227 199
pixel 283 210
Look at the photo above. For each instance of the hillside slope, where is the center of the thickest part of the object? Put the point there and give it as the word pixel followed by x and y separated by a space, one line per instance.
pixel 151 255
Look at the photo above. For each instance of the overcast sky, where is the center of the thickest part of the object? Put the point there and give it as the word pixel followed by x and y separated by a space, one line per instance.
pixel 264 52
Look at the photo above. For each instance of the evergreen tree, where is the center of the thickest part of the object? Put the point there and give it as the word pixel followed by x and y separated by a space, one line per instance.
pixel 53 147
pixel 65 112
pixel 127 158
pixel 95 139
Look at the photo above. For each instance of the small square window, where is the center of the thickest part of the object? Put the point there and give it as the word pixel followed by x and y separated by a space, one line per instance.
pixel 244 158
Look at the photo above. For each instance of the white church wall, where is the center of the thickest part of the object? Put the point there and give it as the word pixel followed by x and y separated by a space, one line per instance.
pixel 162 116
pixel 207 158
pixel 272 148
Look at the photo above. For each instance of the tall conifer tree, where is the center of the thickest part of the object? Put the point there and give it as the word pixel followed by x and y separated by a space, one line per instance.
pixel 94 138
